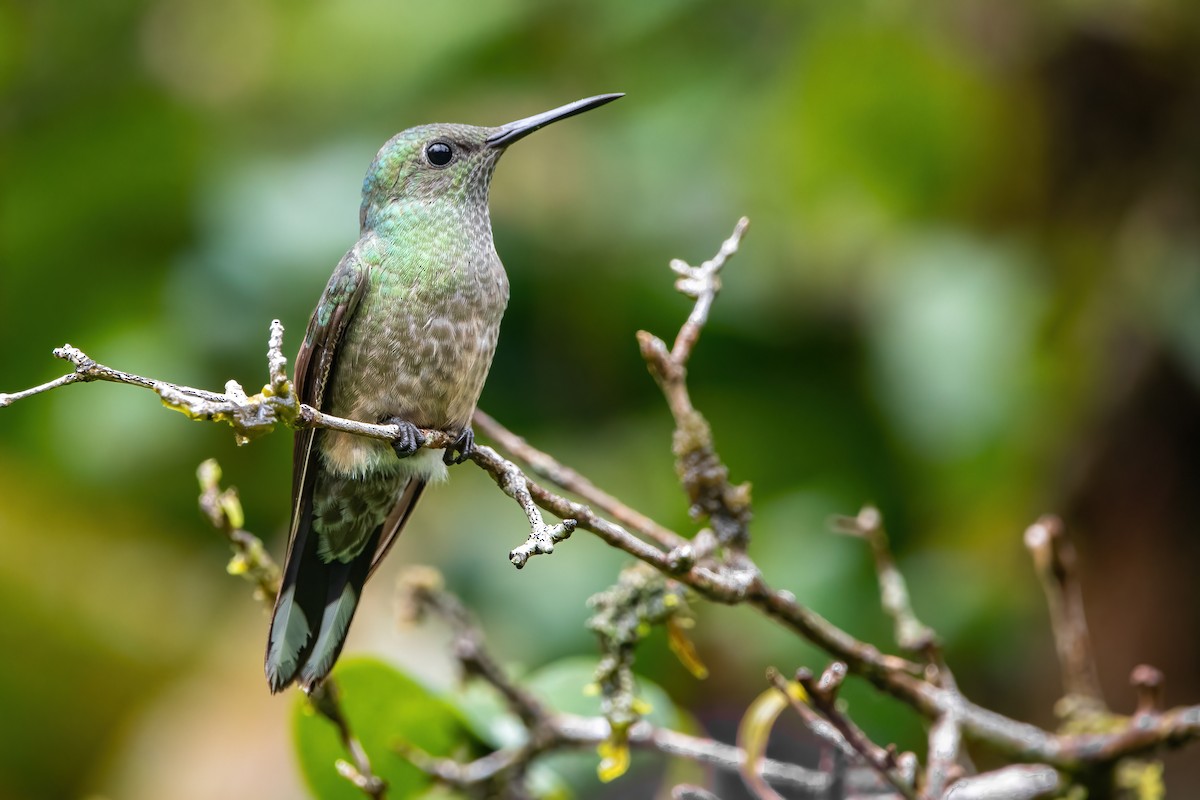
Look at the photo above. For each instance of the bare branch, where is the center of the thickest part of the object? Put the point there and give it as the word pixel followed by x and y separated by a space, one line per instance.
pixel 547 467
pixel 1054 558
pixel 1147 681
pixel 1016 782
pixel 822 694
pixel 326 699
pixel 512 482
pixel 911 634
pixel 945 747
pixel 686 791
pixel 702 283
pixel 821 728
pixel 422 592
pixel 370 785
pixel 704 476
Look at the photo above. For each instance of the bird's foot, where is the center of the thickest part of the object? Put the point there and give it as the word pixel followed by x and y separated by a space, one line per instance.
pixel 464 445
pixel 410 439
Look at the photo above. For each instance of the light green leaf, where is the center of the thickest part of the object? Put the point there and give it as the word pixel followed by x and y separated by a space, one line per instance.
pixel 383 706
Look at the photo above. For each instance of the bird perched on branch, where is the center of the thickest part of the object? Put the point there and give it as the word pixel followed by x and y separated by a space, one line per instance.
pixel 403 334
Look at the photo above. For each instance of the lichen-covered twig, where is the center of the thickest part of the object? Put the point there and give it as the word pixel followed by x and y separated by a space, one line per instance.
pixel 623 615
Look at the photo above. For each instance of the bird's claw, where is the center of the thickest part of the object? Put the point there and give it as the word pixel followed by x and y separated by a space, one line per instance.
pixel 410 438
pixel 464 445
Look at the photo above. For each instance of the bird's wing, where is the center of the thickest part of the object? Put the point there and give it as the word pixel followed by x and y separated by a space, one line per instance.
pixel 395 521
pixel 320 345
pixel 303 589
pixel 315 361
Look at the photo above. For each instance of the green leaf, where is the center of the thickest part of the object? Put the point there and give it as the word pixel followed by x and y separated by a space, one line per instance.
pixel 383 707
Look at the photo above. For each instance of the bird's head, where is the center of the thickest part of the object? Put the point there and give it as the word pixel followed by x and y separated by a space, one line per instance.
pixel 449 161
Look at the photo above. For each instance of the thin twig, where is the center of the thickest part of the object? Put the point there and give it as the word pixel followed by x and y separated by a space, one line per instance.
pixel 945 746
pixel 87 370
pixel 914 636
pixel 702 283
pixel 512 482
pixel 1015 782
pixel 326 699
pixel 550 469
pixel 822 694
pixel 277 362
pixel 911 634
pixel 1147 681
pixel 422 592
pixel 820 727
pixel 837 752
pixel 62 380
pixel 1055 560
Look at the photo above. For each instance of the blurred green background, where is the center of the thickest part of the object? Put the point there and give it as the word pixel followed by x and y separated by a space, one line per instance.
pixel 970 294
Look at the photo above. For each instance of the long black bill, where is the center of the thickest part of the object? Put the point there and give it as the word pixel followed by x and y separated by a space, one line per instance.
pixel 507 134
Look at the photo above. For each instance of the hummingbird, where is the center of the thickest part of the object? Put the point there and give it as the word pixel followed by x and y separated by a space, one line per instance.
pixel 404 335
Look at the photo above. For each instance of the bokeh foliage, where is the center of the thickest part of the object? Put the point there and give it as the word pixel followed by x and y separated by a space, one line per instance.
pixel 971 294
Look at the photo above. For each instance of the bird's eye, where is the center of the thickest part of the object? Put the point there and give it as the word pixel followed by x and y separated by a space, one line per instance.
pixel 439 154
